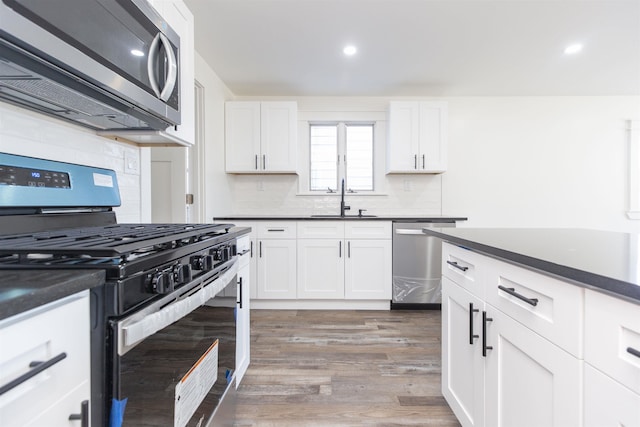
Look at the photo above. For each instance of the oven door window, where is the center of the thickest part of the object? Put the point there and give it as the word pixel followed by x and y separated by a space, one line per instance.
pixel 169 374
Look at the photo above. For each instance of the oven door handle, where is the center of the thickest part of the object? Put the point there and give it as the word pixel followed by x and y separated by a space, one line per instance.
pixel 131 332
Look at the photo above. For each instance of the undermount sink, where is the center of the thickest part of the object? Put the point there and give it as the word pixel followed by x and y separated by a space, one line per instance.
pixel 346 216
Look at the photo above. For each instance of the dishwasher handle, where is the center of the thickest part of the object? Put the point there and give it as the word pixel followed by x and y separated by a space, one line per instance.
pixel 413 231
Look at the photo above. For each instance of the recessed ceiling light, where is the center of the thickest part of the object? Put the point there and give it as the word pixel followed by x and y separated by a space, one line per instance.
pixel 350 50
pixel 136 52
pixel 573 48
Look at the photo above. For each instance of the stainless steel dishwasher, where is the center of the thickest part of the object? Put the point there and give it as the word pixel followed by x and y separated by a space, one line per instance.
pixel 416 265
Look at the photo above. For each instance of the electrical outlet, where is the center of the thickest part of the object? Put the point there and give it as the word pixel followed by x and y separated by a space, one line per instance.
pixel 131 164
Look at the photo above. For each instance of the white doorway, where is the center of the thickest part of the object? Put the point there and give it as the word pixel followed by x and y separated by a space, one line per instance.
pixel 169 185
pixel 177 176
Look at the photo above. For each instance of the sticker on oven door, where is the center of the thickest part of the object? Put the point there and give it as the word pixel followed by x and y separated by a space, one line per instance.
pixel 102 180
pixel 194 386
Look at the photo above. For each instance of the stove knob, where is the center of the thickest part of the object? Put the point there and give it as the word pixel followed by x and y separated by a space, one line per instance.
pixel 161 282
pixel 218 254
pixel 202 262
pixel 186 273
pixel 178 274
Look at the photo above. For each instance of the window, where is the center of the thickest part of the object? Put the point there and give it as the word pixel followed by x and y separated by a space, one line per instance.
pixel 340 151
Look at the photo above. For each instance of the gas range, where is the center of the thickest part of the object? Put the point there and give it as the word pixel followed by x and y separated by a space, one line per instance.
pixel 56 215
pixel 140 261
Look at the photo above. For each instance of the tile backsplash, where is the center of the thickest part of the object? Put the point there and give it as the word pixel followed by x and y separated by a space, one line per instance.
pixel 277 195
pixel 30 134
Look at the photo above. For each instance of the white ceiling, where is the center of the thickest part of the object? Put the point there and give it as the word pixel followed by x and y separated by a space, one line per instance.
pixel 421 47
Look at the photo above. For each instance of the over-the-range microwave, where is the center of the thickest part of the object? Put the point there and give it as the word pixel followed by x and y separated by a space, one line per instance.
pixel 103 64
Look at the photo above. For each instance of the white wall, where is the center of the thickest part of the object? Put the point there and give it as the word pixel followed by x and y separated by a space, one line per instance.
pixel 513 162
pixel 540 161
pixel 215 182
pixel 25 133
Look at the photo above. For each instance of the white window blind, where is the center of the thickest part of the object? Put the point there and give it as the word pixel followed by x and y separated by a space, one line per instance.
pixel 341 151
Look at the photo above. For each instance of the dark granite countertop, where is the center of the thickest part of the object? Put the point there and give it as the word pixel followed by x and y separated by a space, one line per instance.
pixel 605 261
pixel 22 290
pixel 426 218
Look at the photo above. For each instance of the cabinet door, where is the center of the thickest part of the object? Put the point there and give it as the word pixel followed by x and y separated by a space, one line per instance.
pixel 368 269
pixel 607 402
pixel 242 136
pixel 529 380
pixel 276 269
pixel 432 155
pixel 278 136
pixel 243 326
pixel 180 18
pixel 462 361
pixel 58 332
pixel 321 268
pixel 404 137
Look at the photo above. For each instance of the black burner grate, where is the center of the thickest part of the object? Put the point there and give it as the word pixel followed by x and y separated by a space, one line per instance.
pixel 118 241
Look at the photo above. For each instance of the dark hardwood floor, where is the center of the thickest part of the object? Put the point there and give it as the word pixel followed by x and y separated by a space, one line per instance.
pixel 344 368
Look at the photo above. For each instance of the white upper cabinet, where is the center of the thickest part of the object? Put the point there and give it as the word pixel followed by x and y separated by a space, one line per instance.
pixel 180 18
pixel 261 137
pixel 417 137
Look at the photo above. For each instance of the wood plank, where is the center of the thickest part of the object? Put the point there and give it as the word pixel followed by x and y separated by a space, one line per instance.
pixel 344 368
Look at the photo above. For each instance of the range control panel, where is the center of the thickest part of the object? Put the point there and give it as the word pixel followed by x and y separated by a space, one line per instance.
pixel 27 177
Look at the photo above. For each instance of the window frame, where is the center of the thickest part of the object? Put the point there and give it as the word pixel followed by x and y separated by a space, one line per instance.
pixel 341 145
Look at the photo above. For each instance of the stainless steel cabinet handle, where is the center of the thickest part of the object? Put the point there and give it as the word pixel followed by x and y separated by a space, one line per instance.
pixel 246 251
pixel 83 416
pixel 256 162
pixel 340 249
pixel 264 162
pixel 349 249
pixel 37 367
pixel 485 347
pixel 275 229
pixel 459 267
pixel 423 161
pixel 471 311
pixel 415 161
pixel 251 248
pixel 260 250
pixel 240 291
pixel 512 292
pixel 633 351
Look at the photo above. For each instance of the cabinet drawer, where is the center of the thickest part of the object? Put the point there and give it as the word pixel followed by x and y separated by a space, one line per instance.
pixel 320 229
pixel 367 229
pixel 548 306
pixel 462 267
pixel 61 329
pixel 277 230
pixel 612 335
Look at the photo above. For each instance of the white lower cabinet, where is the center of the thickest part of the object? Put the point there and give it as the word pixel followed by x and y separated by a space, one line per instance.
pixel 462 361
pixel 351 261
pixel 368 269
pixel 243 316
pixel 612 361
pixel 529 382
pixel 501 368
pixel 276 269
pixel 58 335
pixel 320 268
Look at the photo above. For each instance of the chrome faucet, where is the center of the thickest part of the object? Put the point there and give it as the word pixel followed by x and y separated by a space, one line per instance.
pixel 343 207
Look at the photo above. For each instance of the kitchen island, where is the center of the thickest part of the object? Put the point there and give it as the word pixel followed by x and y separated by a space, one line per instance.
pixel 605 261
pixel 540 326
